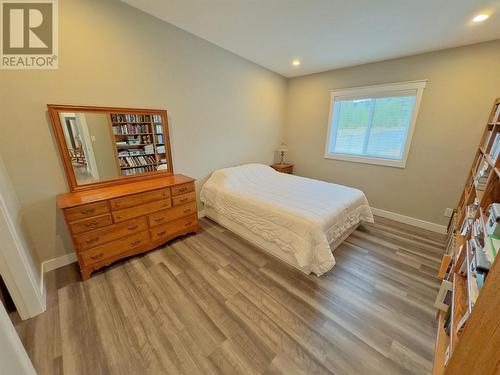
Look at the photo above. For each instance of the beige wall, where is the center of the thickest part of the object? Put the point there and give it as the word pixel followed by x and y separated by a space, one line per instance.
pixel 15 213
pixel 463 82
pixel 223 109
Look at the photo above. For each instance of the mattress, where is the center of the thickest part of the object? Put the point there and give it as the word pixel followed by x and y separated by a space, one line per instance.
pixel 300 216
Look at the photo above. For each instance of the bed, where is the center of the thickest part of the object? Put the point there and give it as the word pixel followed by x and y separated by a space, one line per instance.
pixel 297 219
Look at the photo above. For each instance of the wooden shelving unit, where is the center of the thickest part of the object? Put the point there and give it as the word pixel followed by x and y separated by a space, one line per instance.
pixel 471 346
pixel 459 304
pixel 145 138
pixel 442 342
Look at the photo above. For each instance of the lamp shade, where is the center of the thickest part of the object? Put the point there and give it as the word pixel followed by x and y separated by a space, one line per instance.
pixel 282 148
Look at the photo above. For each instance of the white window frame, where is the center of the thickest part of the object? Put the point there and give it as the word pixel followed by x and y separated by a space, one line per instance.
pixel 373 92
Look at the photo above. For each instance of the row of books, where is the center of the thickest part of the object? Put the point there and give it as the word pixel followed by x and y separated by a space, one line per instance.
pixel 136 140
pixel 160 138
pixel 131 129
pixel 495 146
pixel 157 118
pixel 139 170
pixel 482 174
pixel 131 152
pixel 496 116
pixel 473 263
pixel 458 263
pixel 470 213
pixel 115 117
pixel 149 149
pixel 136 161
pixel 158 129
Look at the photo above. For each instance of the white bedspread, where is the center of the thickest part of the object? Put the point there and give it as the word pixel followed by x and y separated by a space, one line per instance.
pixel 300 215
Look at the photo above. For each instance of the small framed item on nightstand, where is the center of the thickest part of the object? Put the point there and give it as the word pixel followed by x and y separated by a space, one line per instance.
pixel 283 168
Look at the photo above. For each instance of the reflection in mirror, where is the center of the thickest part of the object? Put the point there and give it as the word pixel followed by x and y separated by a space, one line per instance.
pixel 104 146
pixel 90 146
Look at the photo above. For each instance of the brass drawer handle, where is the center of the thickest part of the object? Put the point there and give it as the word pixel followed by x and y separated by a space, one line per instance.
pixel 133 227
pixel 118 217
pixel 117 204
pixel 91 224
pixel 158 219
pixel 183 189
pixel 88 211
pixel 166 194
pixel 188 224
pixel 184 199
pixel 97 256
pixel 135 243
pixel 166 204
pixel 187 210
pixel 92 240
pixel 162 233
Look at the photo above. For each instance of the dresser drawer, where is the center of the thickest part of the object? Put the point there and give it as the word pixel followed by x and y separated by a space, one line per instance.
pixel 137 199
pixel 110 233
pixel 182 189
pixel 87 210
pixel 144 209
pixel 183 199
pixel 163 216
pixel 117 247
pixel 90 224
pixel 173 227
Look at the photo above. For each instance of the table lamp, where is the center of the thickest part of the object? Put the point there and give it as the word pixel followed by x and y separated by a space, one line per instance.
pixel 282 149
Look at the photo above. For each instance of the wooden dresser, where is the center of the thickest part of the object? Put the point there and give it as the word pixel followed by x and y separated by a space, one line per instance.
pixel 110 223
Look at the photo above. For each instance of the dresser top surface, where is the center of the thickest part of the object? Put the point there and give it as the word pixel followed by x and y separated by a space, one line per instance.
pixel 67 200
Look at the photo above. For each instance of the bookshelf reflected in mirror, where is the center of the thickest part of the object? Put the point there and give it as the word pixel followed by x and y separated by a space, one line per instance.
pixel 140 143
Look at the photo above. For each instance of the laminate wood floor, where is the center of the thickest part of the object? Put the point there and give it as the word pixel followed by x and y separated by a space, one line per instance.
pixel 214 304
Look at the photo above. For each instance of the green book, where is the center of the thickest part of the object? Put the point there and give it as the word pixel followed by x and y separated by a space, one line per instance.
pixel 495 244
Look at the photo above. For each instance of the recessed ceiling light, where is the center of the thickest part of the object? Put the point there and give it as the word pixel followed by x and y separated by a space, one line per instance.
pixel 296 62
pixel 480 18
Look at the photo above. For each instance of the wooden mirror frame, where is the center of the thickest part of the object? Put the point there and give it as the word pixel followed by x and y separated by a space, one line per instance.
pixel 54 111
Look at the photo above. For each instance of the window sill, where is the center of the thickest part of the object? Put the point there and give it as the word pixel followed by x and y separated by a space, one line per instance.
pixel 367 160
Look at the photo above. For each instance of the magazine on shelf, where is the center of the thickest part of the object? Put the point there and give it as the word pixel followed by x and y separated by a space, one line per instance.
pixel 495 148
pixel 496 117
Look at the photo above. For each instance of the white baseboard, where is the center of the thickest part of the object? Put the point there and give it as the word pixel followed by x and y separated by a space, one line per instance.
pixel 43 289
pixel 63 260
pixel 410 220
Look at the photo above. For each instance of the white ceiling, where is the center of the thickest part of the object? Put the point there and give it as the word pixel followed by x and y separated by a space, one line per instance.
pixel 328 34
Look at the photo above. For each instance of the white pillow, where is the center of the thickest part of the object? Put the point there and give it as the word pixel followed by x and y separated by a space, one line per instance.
pixel 233 177
pixel 240 173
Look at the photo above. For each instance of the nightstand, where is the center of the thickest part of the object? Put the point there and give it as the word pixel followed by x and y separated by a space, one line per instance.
pixel 283 168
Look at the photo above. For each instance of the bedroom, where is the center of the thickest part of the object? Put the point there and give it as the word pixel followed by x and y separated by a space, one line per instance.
pixel 232 81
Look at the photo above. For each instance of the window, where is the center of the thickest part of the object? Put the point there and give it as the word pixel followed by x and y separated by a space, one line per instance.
pixel 373 124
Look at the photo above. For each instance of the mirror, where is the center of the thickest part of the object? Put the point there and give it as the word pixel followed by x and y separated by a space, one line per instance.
pixel 108 146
